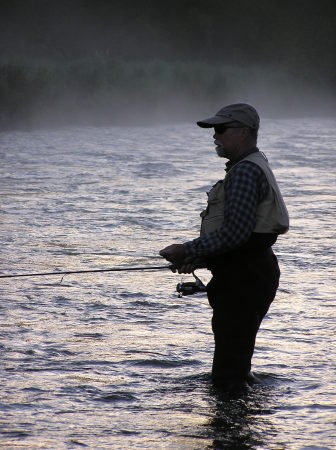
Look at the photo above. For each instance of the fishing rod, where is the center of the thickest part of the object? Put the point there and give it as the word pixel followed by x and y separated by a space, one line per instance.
pixel 69 272
pixel 188 288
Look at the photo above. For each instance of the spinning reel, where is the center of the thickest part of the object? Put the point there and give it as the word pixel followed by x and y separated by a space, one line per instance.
pixel 190 287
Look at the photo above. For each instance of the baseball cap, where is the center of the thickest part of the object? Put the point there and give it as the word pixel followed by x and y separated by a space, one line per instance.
pixel 237 113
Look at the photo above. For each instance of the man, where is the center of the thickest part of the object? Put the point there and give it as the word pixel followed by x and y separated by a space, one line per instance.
pixel 244 216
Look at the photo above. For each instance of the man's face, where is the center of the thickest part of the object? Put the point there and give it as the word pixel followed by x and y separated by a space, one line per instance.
pixel 228 141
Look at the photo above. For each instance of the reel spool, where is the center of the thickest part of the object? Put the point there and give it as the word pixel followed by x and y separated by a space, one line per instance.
pixel 190 287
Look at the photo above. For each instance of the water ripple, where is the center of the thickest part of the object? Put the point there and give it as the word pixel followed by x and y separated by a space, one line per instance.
pixel 117 360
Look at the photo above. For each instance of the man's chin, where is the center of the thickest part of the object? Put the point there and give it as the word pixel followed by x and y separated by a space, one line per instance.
pixel 221 151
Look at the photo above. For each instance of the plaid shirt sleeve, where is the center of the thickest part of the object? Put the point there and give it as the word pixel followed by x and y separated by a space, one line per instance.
pixel 245 186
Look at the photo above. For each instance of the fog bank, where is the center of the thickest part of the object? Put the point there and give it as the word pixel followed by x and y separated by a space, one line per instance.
pixel 120 62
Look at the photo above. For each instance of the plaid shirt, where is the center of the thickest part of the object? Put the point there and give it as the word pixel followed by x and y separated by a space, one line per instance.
pixel 245 186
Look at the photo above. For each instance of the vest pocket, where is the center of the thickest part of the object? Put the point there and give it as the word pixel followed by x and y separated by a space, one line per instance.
pixel 212 223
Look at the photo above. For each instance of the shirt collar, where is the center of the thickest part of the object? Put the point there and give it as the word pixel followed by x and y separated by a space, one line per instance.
pixel 229 164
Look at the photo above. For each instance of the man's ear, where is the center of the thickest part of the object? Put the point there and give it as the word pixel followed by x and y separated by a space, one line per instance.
pixel 245 133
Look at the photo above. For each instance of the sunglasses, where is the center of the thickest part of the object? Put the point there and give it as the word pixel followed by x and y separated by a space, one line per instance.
pixel 220 129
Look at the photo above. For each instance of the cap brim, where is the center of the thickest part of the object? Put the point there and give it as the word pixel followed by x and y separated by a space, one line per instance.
pixel 212 121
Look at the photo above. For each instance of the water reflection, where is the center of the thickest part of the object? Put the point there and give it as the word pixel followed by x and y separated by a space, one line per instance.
pixel 239 419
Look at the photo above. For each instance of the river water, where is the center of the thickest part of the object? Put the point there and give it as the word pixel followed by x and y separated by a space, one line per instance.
pixel 117 360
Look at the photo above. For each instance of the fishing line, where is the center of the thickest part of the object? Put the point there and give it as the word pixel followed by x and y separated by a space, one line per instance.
pixel 69 272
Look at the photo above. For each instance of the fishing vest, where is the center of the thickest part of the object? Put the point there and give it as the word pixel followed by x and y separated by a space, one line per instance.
pixel 271 216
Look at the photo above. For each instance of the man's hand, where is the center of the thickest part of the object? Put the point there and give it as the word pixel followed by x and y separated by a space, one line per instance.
pixel 186 267
pixel 174 253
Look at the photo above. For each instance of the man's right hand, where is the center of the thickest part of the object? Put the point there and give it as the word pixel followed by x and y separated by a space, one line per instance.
pixel 174 253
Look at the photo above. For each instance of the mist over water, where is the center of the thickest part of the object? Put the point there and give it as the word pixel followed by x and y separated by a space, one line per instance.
pixel 121 362
pixel 121 62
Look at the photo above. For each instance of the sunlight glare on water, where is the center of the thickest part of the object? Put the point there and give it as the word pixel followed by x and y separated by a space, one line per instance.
pixel 117 360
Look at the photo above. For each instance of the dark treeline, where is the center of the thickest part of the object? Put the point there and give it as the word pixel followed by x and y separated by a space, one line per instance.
pixel 297 32
pixel 96 58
